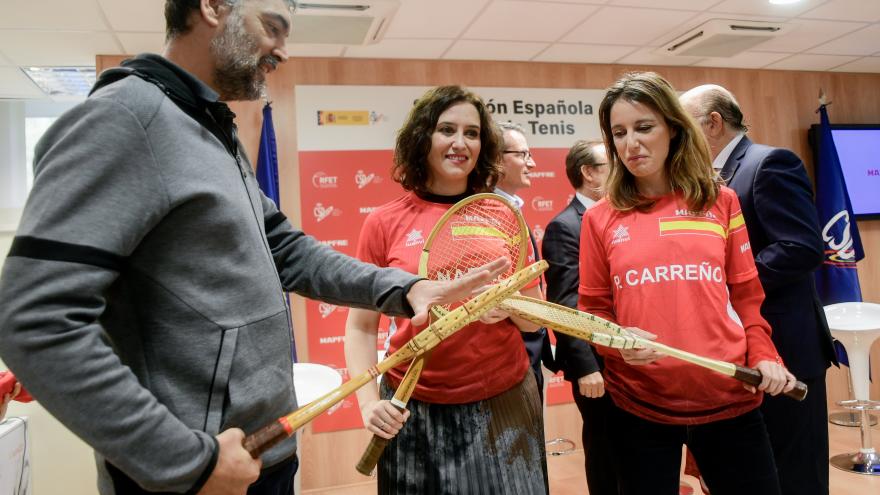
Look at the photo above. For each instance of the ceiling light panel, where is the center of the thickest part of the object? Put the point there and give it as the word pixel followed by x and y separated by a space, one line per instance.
pixel 63 83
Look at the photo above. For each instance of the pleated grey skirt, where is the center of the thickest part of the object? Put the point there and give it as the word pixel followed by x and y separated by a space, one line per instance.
pixel 494 446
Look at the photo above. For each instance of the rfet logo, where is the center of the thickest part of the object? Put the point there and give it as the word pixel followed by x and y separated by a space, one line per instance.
pixel 324 181
pixel 541 204
pixel 321 212
pixel 363 179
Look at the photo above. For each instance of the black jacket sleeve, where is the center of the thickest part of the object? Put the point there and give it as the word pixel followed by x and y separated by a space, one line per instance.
pixel 561 249
pixel 784 197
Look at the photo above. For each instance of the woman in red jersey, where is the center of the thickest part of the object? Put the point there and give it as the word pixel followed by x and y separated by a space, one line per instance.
pixel 473 424
pixel 667 251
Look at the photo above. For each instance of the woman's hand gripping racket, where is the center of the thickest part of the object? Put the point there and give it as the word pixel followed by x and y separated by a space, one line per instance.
pixel 263 439
pixel 476 230
pixel 602 332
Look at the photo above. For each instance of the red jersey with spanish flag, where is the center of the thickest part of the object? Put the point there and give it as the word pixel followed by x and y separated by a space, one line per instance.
pixel 479 361
pixel 668 271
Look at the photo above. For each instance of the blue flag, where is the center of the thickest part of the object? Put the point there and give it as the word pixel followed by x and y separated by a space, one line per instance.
pixel 837 280
pixel 267 160
pixel 267 177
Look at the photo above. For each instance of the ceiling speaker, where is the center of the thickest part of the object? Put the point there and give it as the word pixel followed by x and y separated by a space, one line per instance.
pixel 723 38
pixel 342 22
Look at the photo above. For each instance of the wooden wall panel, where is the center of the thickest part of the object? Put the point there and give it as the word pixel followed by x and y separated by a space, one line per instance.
pixel 779 107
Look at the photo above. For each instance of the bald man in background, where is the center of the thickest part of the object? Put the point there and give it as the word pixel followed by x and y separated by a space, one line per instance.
pixel 777 203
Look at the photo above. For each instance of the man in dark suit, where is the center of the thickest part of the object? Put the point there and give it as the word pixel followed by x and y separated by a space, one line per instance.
pixel 777 204
pixel 516 163
pixel 587 169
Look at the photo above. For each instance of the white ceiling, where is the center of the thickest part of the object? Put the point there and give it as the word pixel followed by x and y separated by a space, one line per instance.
pixel 830 35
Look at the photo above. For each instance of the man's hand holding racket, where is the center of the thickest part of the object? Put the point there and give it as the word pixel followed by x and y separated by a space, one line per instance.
pixel 425 294
pixel 235 470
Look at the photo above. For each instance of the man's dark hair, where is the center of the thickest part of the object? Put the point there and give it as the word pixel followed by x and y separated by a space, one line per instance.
pixel 581 153
pixel 177 14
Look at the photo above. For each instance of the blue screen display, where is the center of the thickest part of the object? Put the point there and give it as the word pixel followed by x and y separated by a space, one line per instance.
pixel 859 153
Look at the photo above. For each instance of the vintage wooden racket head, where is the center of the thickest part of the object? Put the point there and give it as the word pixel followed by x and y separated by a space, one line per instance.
pixel 476 230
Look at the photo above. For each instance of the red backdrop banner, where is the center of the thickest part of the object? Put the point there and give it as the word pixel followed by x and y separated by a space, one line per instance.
pixel 345 160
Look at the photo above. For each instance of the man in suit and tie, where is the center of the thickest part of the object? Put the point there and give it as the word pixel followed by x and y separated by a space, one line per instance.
pixel 586 167
pixel 516 163
pixel 777 204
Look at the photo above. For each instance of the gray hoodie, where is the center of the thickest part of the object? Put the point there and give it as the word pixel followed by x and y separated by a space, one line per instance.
pixel 142 300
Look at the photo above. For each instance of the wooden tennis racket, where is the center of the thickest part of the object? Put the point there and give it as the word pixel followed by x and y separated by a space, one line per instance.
pixel 266 437
pixel 602 332
pixel 475 231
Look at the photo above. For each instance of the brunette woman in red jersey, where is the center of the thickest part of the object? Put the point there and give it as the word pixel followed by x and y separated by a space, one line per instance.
pixel 474 422
pixel 667 251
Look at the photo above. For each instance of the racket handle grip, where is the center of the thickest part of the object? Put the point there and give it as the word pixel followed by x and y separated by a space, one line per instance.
pixel 377 445
pixel 265 438
pixel 371 455
pixel 754 377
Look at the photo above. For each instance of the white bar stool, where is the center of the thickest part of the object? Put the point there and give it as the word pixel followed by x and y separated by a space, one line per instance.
pixel 856 325
pixel 557 446
pixel 849 418
pixel 311 381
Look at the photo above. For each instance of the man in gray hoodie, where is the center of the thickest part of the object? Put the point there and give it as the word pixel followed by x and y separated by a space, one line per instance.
pixel 142 300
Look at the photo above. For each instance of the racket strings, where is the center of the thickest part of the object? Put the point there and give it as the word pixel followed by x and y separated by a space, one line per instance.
pixel 474 235
pixel 584 325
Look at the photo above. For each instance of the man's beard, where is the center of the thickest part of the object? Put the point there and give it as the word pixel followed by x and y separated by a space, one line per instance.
pixel 237 73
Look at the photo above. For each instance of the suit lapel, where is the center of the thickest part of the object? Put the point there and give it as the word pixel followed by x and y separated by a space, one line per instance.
pixel 735 158
pixel 579 207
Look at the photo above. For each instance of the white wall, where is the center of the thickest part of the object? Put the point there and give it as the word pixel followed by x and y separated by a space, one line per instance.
pixel 61 463
pixel 13 175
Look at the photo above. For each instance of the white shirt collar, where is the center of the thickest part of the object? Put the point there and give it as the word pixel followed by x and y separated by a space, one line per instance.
pixel 587 202
pixel 721 159
pixel 513 198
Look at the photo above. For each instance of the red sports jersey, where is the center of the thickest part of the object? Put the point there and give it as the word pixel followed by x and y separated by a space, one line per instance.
pixel 479 361
pixel 667 271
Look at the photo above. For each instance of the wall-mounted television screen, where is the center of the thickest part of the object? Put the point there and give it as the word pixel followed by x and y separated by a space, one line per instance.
pixel 858 147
